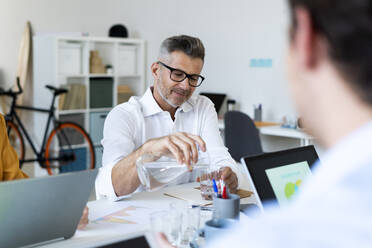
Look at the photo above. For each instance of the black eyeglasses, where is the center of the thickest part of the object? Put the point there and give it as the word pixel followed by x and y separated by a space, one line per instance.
pixel 178 75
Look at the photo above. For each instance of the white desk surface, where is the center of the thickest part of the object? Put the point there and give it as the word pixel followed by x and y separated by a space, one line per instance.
pixel 94 234
pixel 284 132
pixel 276 131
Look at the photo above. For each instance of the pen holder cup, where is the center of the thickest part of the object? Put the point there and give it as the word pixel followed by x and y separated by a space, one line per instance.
pixel 258 114
pixel 226 208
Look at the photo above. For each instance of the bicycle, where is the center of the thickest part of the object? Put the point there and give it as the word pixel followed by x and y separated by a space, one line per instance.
pixel 68 146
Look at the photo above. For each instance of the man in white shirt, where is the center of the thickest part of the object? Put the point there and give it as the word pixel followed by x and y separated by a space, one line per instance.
pixel 166 121
pixel 330 70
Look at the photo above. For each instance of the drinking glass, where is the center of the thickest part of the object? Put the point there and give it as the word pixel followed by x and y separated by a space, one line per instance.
pixel 189 222
pixel 167 222
pixel 206 184
pixel 190 225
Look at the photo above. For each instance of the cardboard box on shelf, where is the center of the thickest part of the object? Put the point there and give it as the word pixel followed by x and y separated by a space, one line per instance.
pixel 124 93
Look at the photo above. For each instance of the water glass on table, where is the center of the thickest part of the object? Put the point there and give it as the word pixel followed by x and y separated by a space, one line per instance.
pixel 206 184
pixel 189 222
pixel 190 225
pixel 167 222
pixel 206 176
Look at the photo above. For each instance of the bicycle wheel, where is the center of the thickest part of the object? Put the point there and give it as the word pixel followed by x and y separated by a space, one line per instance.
pixel 69 148
pixel 16 141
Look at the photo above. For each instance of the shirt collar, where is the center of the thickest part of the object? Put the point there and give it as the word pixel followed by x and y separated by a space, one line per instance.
pixel 151 107
pixel 352 150
pixel 349 155
pixel 188 105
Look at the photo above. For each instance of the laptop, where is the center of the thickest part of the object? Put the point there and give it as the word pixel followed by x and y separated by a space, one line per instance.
pixel 41 210
pixel 137 240
pixel 217 99
pixel 277 177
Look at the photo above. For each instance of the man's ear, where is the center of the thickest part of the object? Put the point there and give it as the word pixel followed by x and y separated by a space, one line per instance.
pixel 155 68
pixel 304 39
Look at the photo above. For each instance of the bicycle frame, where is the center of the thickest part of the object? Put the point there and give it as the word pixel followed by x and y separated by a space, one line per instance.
pixel 51 118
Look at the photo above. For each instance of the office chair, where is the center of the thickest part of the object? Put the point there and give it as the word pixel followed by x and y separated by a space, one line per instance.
pixel 241 135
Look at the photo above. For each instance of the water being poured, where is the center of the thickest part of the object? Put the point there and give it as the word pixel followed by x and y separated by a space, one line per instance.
pixel 163 172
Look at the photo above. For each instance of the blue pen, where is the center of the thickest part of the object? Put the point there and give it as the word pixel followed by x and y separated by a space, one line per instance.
pixel 215 187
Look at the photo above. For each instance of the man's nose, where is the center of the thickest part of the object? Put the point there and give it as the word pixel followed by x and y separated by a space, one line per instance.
pixel 185 84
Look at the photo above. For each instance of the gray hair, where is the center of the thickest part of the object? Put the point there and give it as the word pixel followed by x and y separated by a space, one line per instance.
pixel 189 45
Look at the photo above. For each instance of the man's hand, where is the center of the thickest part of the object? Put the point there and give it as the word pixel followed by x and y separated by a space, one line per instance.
pixel 84 219
pixel 182 146
pixel 228 176
pixel 230 179
pixel 163 241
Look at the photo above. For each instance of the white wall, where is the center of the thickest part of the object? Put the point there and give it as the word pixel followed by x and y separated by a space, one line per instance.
pixel 232 31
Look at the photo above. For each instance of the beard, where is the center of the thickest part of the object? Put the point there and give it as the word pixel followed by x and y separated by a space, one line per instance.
pixel 166 95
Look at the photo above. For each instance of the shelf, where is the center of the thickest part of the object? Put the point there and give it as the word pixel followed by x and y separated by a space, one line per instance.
pixel 97 75
pixel 72 111
pixel 130 76
pixel 125 41
pixel 75 146
pixel 72 38
pixel 72 75
pixel 83 111
pixel 65 61
pixel 93 110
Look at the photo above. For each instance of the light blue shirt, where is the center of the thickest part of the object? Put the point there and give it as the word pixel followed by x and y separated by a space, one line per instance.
pixel 334 208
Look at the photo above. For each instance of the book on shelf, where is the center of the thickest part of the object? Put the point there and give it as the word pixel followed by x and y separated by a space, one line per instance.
pixel 61 101
pixel 75 98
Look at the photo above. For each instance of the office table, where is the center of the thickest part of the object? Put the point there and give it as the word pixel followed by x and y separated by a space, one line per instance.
pixel 304 138
pixel 97 232
pixel 274 129
pixel 221 124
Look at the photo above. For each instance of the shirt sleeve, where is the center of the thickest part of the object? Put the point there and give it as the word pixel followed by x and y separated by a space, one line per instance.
pixel 118 142
pixel 9 162
pixel 218 153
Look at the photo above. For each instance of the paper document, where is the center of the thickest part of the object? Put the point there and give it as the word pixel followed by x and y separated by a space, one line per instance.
pixel 125 216
pixel 188 193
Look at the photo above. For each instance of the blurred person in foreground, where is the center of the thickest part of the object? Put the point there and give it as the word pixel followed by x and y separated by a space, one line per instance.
pixel 330 72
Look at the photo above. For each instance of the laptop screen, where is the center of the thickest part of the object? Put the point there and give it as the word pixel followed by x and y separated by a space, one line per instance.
pixel 278 176
pixel 286 180
pixel 139 242
pixel 216 98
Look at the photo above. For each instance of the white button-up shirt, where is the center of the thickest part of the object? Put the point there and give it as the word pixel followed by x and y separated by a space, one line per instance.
pixel 129 125
pixel 334 209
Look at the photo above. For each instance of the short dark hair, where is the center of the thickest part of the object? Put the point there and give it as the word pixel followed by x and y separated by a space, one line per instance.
pixel 347 27
pixel 191 46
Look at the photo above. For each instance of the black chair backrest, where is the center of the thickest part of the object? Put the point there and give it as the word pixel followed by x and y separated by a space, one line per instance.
pixel 241 135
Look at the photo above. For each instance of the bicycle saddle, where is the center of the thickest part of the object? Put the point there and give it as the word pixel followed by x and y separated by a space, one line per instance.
pixel 57 91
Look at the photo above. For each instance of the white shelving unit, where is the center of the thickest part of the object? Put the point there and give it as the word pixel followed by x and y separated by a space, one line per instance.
pixel 62 61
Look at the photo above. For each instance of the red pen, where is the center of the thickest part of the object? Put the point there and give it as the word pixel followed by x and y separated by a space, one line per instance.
pixel 224 195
